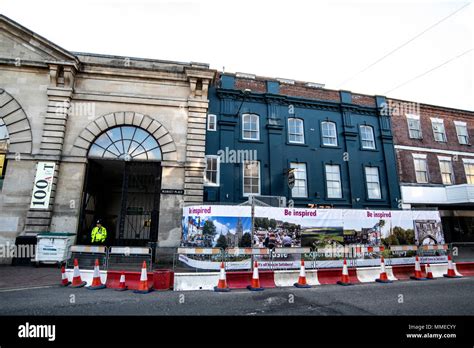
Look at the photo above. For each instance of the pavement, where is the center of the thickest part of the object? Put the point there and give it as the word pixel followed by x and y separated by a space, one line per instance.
pixel 437 297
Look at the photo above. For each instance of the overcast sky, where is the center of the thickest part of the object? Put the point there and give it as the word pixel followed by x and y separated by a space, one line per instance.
pixel 327 42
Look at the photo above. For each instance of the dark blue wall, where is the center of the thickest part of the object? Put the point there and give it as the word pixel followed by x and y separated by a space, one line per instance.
pixel 275 152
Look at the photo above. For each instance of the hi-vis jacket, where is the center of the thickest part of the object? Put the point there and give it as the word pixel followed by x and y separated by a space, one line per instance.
pixel 99 234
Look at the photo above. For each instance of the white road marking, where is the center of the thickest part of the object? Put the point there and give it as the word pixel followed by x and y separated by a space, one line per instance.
pixel 20 289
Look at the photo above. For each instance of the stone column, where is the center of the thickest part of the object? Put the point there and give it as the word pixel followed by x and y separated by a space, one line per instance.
pixel 195 164
pixel 59 101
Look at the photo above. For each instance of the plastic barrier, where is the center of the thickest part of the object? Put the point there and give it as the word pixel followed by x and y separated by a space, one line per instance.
pixel 404 272
pixel 132 279
pixel 288 278
pixel 86 256
pixel 163 279
pixel 195 281
pixel 369 274
pixel 465 268
pixel 435 247
pixel 87 275
pixel 333 275
pixel 240 280
pixel 128 258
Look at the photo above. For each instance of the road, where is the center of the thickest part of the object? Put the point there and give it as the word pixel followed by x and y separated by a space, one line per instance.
pixel 438 297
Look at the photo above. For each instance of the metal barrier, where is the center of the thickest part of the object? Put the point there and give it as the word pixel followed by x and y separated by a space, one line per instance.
pixel 243 258
pixel 86 256
pixel 284 258
pixel 129 258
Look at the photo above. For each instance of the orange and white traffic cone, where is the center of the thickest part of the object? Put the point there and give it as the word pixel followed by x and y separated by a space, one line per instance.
pixel 345 275
pixel 451 273
pixel 302 278
pixel 76 277
pixel 64 280
pixel 418 273
pixel 255 285
pixel 122 286
pixel 222 283
pixel 383 278
pixel 143 286
pixel 96 282
pixel 429 274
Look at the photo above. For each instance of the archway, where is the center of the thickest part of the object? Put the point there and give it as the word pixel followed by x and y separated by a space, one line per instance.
pixel 122 186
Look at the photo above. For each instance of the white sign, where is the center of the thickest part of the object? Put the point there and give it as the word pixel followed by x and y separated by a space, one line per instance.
pixel 42 185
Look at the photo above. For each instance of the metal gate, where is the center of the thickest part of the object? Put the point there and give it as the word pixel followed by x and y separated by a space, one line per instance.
pixel 126 196
pixel 139 214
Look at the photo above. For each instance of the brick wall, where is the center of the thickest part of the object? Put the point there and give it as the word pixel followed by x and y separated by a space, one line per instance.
pixel 406 167
pixel 400 128
pixel 364 100
pixel 401 137
pixel 254 85
pixel 309 92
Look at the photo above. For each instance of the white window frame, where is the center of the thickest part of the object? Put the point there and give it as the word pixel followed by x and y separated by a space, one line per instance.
pixel 371 182
pixel 299 167
pixel 244 116
pixel 462 125
pixel 372 136
pixel 438 122
pixel 421 157
pixel 334 130
pixel 339 181
pixel 209 117
pixel 218 171
pixel 259 179
pixel 301 122
pixel 412 117
pixel 468 162
pixel 451 169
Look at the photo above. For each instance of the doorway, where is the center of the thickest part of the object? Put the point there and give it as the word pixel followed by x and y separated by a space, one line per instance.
pixel 125 195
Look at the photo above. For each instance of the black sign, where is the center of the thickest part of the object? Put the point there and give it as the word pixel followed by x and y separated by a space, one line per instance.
pixel 172 192
pixel 291 179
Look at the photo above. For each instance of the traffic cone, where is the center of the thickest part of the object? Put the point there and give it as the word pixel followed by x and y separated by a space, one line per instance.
pixel 255 285
pixel 451 273
pixel 64 280
pixel 302 278
pixel 418 273
pixel 143 286
pixel 76 277
pixel 96 282
pixel 345 275
pixel 222 283
pixel 429 274
pixel 122 286
pixel 383 278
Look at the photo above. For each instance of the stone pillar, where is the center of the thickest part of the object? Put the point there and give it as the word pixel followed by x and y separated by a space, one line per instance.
pixel 59 100
pixel 195 164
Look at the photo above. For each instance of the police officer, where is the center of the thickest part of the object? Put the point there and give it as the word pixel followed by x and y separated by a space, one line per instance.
pixel 99 233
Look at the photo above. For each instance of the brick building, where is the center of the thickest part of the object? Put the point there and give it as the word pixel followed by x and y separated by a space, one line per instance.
pixel 337 143
pixel 435 160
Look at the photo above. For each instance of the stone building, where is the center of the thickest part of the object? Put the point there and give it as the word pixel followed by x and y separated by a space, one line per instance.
pixel 91 136
pixel 435 161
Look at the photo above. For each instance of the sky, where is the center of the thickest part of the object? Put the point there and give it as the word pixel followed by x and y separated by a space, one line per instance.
pixel 331 42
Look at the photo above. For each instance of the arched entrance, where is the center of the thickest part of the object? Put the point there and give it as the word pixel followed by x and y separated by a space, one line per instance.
pixel 122 186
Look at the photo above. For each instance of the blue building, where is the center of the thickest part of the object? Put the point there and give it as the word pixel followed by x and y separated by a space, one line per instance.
pixel 337 145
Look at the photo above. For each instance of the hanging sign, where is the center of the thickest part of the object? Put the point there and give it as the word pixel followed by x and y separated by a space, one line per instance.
pixel 42 185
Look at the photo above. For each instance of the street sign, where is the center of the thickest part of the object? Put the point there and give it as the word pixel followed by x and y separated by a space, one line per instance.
pixel 291 179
